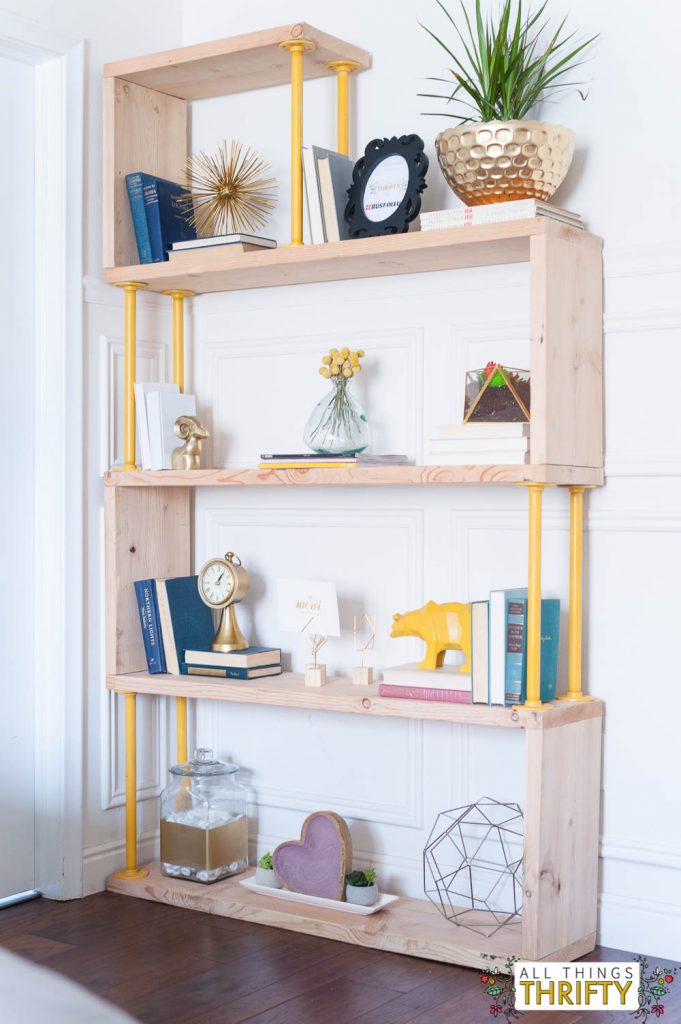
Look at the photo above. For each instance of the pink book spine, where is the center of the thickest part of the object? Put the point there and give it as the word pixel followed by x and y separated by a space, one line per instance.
pixel 425 693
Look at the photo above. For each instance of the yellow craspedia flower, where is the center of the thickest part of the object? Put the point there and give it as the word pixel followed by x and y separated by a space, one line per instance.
pixel 354 358
pixel 333 351
pixel 325 371
pixel 347 364
pixel 335 369
pixel 357 368
pixel 345 352
pixel 361 353
pixel 347 373
pixel 326 360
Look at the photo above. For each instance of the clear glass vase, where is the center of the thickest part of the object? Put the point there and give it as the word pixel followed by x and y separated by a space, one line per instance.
pixel 337 424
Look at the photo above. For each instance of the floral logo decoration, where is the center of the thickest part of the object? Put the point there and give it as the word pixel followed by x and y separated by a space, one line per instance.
pixel 501 990
pixel 655 984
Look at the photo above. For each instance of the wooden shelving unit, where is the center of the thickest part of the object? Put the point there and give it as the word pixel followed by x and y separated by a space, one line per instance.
pixel 148 515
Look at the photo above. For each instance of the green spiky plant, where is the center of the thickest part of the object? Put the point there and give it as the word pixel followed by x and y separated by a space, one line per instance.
pixel 505 68
pixel 361 878
pixel 266 862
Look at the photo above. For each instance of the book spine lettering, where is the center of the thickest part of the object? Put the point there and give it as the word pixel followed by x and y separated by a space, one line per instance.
pixel 153 215
pixel 424 693
pixel 133 184
pixel 515 650
pixel 151 635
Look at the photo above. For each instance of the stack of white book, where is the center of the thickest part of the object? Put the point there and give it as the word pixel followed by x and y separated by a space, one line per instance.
pixel 157 406
pixel 480 444
pixel 497 213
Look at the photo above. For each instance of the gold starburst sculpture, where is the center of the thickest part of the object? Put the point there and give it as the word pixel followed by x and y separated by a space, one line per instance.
pixel 230 190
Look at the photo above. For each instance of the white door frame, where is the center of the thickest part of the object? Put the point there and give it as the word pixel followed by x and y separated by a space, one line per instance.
pixel 59 442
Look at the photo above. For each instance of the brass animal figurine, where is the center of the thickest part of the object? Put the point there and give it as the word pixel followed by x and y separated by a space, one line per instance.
pixel 188 455
pixel 444 627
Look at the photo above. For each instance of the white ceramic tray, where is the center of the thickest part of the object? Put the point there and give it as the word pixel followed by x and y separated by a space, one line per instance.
pixel 317 901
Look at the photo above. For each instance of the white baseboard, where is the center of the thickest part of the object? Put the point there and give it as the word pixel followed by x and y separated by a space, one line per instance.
pixel 101 861
pixel 641 925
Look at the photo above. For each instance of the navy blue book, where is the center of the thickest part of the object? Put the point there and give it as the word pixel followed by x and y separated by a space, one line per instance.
pixel 186 622
pixel 135 186
pixel 149 620
pixel 228 672
pixel 165 215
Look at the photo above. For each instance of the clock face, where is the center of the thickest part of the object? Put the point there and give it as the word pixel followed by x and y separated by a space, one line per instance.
pixel 217 583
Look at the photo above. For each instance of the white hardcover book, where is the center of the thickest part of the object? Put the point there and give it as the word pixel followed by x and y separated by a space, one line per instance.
pixel 452 445
pixel 331 226
pixel 446 678
pixel 494 458
pixel 480 651
pixel 496 213
pixel 232 239
pixel 314 205
pixel 486 430
pixel 497 647
pixel 142 389
pixel 163 408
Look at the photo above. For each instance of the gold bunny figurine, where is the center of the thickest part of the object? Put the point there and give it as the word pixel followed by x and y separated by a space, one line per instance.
pixel 192 432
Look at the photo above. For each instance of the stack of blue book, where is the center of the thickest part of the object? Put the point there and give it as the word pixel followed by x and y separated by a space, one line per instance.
pixel 158 217
pixel 177 630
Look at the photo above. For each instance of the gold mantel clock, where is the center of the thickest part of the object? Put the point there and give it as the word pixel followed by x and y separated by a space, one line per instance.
pixel 223 582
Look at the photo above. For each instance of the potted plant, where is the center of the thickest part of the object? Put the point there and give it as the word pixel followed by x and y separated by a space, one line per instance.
pixel 505 66
pixel 361 887
pixel 265 873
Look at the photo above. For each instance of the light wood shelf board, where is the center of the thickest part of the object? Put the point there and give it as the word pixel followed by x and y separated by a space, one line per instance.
pixel 358 476
pixel 235 64
pixel 216 269
pixel 341 695
pixel 410 926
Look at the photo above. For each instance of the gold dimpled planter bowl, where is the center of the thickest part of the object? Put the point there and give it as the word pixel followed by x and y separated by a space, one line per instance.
pixel 497 161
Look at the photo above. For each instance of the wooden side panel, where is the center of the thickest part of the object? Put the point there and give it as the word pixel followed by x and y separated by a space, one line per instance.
pixel 566 283
pixel 147 534
pixel 562 816
pixel 145 131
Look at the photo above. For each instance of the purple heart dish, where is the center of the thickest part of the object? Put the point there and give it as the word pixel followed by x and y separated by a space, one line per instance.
pixel 316 864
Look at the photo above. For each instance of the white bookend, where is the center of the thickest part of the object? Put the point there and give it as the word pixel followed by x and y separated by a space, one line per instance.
pixel 142 389
pixel 449 677
pixel 163 408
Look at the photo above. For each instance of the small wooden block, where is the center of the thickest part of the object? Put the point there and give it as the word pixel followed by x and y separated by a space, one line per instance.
pixel 362 675
pixel 315 675
pixel 317 863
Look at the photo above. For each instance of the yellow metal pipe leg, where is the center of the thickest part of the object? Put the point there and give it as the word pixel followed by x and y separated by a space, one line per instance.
pixel 533 698
pixel 343 69
pixel 181 717
pixel 574 691
pixel 131 870
pixel 178 296
pixel 297 47
pixel 130 340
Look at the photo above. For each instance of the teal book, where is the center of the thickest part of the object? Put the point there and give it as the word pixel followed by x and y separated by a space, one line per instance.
pixel 135 186
pixel 550 637
pixel 186 622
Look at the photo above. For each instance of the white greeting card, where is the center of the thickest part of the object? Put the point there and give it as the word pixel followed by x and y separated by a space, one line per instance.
pixel 308 607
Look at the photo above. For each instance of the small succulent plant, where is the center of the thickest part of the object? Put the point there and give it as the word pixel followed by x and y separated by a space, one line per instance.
pixel 266 862
pixel 361 878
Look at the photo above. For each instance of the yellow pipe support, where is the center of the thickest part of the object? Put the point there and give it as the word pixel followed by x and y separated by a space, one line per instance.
pixel 343 69
pixel 130 289
pixel 181 718
pixel 297 47
pixel 574 691
pixel 533 698
pixel 178 296
pixel 131 870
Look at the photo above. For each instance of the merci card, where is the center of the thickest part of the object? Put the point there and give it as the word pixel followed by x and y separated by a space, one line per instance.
pixel 308 606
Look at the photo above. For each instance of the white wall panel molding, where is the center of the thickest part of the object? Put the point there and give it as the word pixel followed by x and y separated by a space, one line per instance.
pixel 151 365
pixel 103 859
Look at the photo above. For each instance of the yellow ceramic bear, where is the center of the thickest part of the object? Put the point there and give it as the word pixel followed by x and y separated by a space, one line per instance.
pixel 444 627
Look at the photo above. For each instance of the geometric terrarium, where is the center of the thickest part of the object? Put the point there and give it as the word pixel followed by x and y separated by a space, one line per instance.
pixel 497 394
pixel 472 865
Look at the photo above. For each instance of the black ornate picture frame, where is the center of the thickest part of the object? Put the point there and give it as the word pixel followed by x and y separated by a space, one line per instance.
pixel 385 197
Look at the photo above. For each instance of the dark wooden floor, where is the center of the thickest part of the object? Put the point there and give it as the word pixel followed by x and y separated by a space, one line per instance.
pixel 170 966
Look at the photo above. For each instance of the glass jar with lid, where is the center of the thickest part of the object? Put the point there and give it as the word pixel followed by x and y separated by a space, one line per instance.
pixel 204 820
